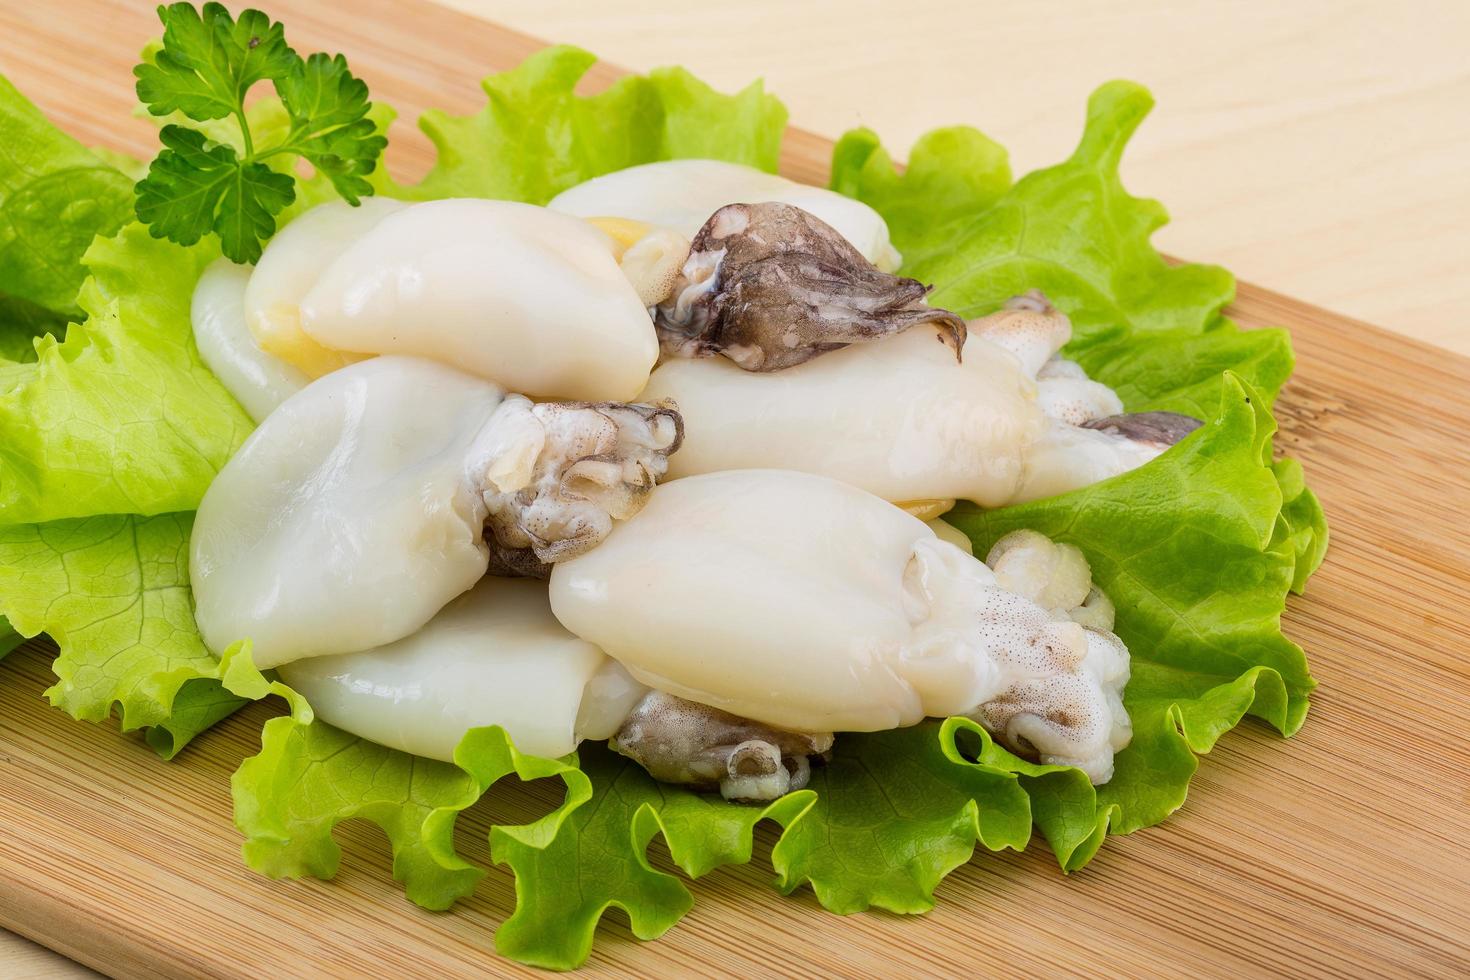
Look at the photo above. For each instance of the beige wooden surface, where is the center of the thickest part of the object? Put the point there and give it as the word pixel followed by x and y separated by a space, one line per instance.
pixel 21 959
pixel 1340 851
pixel 1317 147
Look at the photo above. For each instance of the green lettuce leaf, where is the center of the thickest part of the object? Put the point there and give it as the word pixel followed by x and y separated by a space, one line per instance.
pixel 55 197
pixel 309 777
pixel 881 825
pixel 121 417
pixel 1195 554
pixel 1302 524
pixel 893 814
pixel 952 175
pixel 614 813
pixel 113 593
pixel 199 705
pixel 9 638
pixel 1070 230
pixel 124 163
pixel 535 137
pixel 21 324
pixel 1179 371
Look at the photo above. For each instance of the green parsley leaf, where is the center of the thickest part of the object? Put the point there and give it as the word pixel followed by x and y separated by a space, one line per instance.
pixel 208 63
pixel 179 197
pixel 193 189
pixel 248 209
pixel 206 182
pixel 329 125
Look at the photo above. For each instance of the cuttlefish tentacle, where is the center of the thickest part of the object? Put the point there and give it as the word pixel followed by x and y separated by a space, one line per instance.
pixel 692 744
pixel 555 475
pixel 1089 437
pixel 1074 714
pixel 1029 327
pixel 771 286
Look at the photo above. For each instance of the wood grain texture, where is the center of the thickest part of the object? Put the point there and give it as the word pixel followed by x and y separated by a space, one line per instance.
pixel 21 959
pixel 1340 852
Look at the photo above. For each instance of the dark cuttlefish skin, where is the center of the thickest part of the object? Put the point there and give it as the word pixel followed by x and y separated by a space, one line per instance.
pixel 783 287
pixel 1154 428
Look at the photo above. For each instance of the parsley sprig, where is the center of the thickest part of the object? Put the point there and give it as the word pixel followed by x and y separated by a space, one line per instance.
pixel 196 185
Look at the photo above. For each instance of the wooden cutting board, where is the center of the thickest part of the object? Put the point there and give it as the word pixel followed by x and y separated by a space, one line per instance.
pixel 1343 851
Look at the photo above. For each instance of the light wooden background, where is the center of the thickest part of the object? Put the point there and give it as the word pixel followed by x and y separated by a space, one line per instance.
pixel 1319 148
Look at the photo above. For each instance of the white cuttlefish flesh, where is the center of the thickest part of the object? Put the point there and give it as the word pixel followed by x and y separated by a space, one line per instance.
pixel 682 194
pixel 493 656
pixel 901 418
pixel 526 297
pixel 808 605
pixel 375 495
pixel 740 647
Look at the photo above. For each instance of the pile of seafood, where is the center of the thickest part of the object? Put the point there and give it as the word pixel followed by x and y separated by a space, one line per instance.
pixel 663 463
